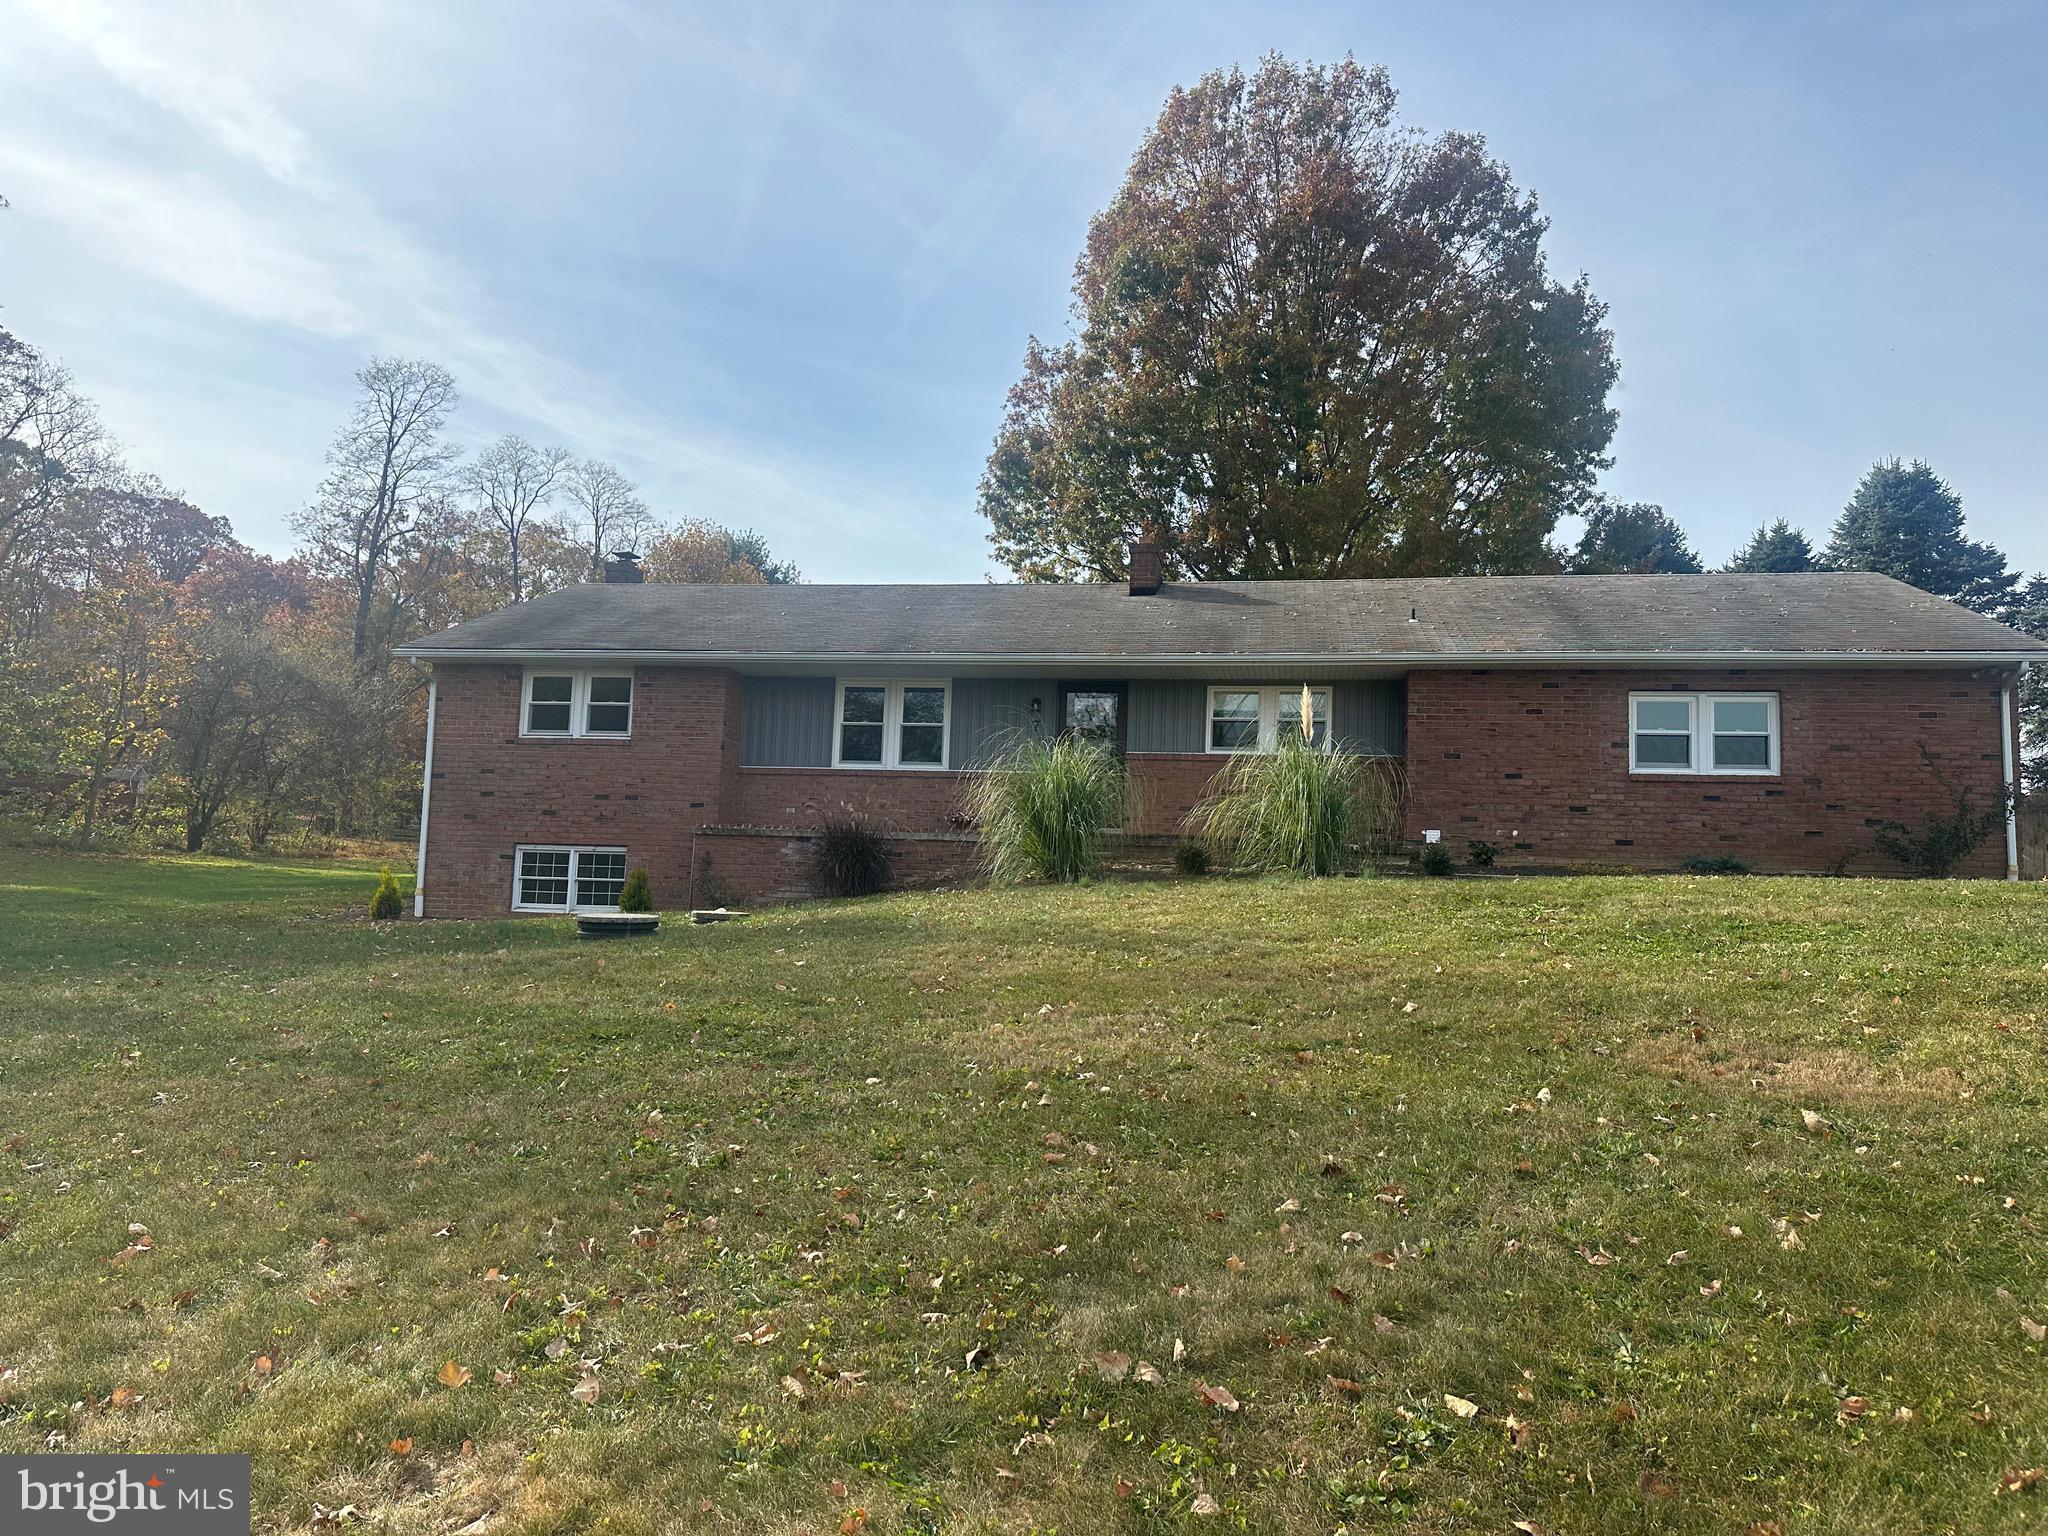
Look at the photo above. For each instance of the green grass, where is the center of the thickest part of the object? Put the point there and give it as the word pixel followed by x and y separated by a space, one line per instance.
pixel 844 1201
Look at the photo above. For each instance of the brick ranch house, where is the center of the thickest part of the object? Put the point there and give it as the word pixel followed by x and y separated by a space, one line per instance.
pixel 1626 721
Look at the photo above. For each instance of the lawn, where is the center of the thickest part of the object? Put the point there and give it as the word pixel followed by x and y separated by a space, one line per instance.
pixel 1602 1205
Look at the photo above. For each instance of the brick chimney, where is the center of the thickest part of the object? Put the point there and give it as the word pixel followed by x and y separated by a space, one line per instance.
pixel 623 567
pixel 1147 567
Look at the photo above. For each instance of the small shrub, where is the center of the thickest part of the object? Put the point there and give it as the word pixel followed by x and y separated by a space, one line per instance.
pixel 1048 810
pixel 1191 859
pixel 1482 853
pixel 1715 864
pixel 1943 840
pixel 637 894
pixel 1436 860
pixel 712 891
pixel 1294 809
pixel 850 857
pixel 386 904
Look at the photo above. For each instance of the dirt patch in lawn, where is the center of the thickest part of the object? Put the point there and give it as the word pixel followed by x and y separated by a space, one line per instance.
pixel 1832 1074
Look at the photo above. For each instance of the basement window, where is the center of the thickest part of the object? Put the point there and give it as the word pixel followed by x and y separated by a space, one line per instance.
pixel 564 703
pixel 1703 733
pixel 568 879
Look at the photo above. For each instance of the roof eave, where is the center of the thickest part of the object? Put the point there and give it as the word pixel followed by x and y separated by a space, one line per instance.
pixel 968 660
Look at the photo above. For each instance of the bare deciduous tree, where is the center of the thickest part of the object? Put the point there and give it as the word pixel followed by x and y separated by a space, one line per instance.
pixel 382 463
pixel 611 509
pixel 511 481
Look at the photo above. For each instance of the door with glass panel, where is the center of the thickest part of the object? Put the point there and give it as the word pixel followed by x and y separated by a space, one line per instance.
pixel 1094 710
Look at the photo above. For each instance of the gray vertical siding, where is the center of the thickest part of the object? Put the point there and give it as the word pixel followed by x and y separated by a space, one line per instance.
pixel 1371 715
pixel 988 711
pixel 786 722
pixel 1171 716
pixel 1167 716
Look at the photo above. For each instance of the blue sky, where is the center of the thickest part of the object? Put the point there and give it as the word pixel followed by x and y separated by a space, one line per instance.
pixel 780 262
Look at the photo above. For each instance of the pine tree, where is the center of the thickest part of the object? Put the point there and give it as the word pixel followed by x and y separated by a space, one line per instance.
pixel 386 904
pixel 1779 547
pixel 1633 538
pixel 2029 612
pixel 1905 522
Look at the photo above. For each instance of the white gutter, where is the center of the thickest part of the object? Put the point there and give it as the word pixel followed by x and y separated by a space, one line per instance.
pixel 419 870
pixel 1099 659
pixel 2012 808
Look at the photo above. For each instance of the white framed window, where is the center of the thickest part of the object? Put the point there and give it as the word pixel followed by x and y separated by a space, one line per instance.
pixel 1247 717
pixel 559 879
pixel 892 724
pixel 1703 733
pixel 558 701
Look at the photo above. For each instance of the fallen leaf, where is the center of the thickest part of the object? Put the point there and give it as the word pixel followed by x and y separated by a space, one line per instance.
pixel 2020 1480
pixel 126 1397
pixel 450 1375
pixel 503 1378
pixel 1205 1505
pixel 1463 1407
pixel 1813 1121
pixel 1112 1365
pixel 1233 1263
pixel 1148 1373
pixel 586 1391
pixel 1655 1485
pixel 1382 1324
pixel 1598 1257
pixel 2033 1330
pixel 1345 1385
pixel 1216 1397
pixel 1123 1488
pixel 1521 1433
pixel 1852 1409
pixel 402 1447
pixel 1384 1260
pixel 1340 1296
pixel 1711 1290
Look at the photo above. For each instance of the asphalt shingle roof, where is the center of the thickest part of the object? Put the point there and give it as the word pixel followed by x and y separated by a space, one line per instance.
pixel 1455 617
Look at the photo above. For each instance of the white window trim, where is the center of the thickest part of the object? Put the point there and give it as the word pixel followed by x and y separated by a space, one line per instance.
pixel 575 852
pixel 892 722
pixel 1270 695
pixel 579 703
pixel 1702 765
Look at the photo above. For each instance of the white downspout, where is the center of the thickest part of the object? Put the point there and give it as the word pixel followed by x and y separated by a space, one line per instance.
pixel 419 870
pixel 2012 809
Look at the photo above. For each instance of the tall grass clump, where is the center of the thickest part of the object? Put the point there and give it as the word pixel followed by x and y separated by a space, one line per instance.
pixel 1049 810
pixel 851 856
pixel 1295 808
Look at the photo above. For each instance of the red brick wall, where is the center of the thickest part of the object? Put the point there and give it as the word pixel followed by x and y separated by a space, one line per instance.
pixel 1163 788
pixel 493 789
pixel 1537 762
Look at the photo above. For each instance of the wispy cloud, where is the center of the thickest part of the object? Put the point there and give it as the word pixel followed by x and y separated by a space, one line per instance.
pixel 299 246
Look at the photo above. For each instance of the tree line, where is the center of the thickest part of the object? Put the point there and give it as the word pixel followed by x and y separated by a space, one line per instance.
pixel 157 672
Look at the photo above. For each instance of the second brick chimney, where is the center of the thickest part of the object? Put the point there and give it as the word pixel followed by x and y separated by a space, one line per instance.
pixel 1148 567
